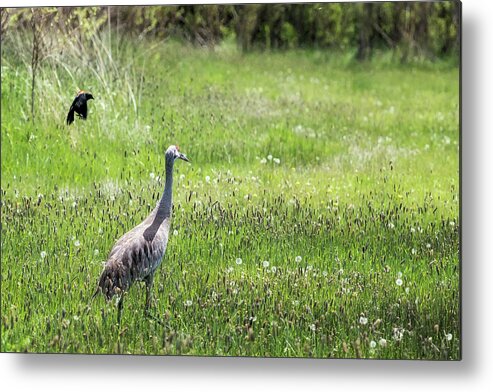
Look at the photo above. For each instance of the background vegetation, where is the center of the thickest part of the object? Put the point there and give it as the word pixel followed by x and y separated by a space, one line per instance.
pixel 320 215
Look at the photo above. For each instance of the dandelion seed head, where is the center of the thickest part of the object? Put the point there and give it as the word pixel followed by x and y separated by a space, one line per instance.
pixel 277 161
pixel 398 282
pixel 265 263
pixel 382 342
pixel 313 327
pixel 298 259
pixel 152 175
pixel 188 302
pixel 43 254
pixel 274 269
pixel 207 179
pixel 373 344
pixel 239 261
pixel 269 157
pixel 77 243
pixel 449 336
pixel 363 320
pixel 175 232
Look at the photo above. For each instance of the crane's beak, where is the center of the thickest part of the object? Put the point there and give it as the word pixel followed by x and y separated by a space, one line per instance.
pixel 184 157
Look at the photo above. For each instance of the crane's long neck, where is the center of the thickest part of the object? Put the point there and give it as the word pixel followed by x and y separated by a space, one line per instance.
pixel 164 207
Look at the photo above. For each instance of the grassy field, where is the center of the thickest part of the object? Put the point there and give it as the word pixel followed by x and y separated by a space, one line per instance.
pixel 319 216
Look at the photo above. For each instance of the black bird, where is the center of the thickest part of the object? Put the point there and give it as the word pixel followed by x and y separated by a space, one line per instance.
pixel 79 106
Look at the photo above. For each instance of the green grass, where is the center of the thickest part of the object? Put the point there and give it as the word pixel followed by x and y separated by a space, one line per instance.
pixel 355 168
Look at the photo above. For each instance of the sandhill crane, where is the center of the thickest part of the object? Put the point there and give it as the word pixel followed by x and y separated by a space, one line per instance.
pixel 139 252
pixel 79 106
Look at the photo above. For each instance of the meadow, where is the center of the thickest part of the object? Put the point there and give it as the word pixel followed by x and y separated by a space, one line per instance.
pixel 319 216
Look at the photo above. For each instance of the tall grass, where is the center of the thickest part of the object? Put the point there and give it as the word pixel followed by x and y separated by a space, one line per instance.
pixel 352 168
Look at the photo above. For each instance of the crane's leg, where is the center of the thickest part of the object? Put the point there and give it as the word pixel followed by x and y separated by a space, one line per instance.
pixel 149 280
pixel 120 309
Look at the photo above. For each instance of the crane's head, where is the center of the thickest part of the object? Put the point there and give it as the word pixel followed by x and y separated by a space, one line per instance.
pixel 173 152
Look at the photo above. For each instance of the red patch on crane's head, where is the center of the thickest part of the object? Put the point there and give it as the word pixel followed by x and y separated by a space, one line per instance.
pixel 177 147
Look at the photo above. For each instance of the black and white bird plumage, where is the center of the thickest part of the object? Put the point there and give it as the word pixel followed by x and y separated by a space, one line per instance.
pixel 79 106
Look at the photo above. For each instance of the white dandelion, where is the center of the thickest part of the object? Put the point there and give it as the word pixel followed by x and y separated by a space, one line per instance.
pixel 207 179
pixel 188 302
pixel 269 157
pixel 398 282
pixel 274 269
pixel 449 336
pixel 265 264
pixel 363 320
pixel 382 342
pixel 277 161
pixel 77 243
pixel 175 232
pixel 43 254
pixel 373 344
pixel 298 259
pixel 239 261
pixel 313 327
pixel 152 175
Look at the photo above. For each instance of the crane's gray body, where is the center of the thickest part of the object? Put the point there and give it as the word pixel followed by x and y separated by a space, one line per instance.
pixel 139 252
pixel 136 255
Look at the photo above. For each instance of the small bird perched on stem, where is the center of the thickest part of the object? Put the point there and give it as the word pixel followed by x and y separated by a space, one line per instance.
pixel 79 106
pixel 139 252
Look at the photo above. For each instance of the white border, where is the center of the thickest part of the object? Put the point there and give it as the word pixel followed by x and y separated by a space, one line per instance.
pixel 99 373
